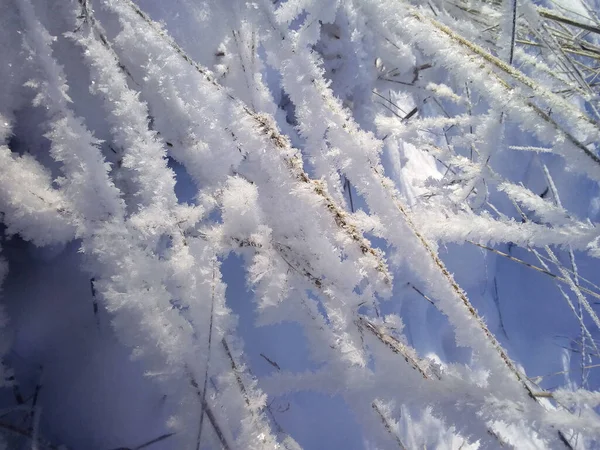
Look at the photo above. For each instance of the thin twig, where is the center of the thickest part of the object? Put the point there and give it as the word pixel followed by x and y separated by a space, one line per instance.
pixel 387 426
pixel 208 352
pixel 154 441
pixel 513 32
pixel 211 417
pixel 270 361
pixel 534 267
pixel 394 344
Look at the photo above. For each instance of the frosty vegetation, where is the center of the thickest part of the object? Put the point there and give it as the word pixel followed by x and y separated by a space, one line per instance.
pixel 358 224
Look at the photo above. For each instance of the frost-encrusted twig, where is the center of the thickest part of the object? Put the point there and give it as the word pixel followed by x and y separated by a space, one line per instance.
pixel 340 217
pixel 567 280
pixel 553 15
pixel 380 194
pixel 255 401
pixel 31 206
pixel 361 151
pixel 584 331
pixel 406 352
pixel 463 298
pixel 386 423
pixel 513 32
pixel 236 370
pixel 208 353
pixel 141 296
pixel 206 409
pixel 531 266
pixel 574 287
pixel 319 330
pixel 396 346
pixel 266 127
pixel 460 226
pixel 428 34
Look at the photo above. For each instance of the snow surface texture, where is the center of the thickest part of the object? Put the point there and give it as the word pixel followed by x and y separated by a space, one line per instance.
pixel 359 224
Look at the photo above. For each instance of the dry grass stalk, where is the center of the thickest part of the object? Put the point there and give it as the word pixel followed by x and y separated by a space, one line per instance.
pixel 209 413
pixel 395 345
pixel 531 266
pixel 549 14
pixel 387 425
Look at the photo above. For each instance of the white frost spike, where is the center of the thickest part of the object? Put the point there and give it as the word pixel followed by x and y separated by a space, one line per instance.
pixel 31 206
